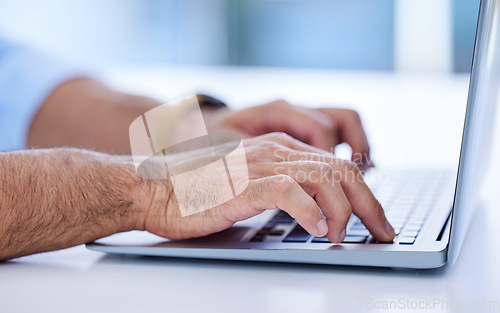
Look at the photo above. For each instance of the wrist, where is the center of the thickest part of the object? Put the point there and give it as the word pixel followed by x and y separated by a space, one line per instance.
pixel 153 198
pixel 121 192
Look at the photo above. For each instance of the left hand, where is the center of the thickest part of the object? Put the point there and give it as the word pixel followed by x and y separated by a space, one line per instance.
pixel 323 128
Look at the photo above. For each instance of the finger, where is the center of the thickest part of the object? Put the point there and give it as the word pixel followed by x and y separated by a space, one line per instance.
pixel 362 200
pixel 351 131
pixel 332 135
pixel 312 127
pixel 364 204
pixel 282 191
pixel 320 182
pixel 288 141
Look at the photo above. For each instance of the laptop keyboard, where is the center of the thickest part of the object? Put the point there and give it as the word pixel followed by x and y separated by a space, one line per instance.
pixel 407 198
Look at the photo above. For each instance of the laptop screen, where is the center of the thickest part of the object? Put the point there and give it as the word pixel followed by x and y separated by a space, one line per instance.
pixel 415 114
pixel 482 99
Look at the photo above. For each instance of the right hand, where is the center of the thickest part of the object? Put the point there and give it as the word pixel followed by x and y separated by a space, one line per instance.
pixel 286 174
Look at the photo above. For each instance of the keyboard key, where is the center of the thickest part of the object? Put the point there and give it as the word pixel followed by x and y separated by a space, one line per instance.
pixel 410 227
pixel 412 224
pixel 380 242
pixel 358 224
pixel 257 238
pixel 298 234
pixel 261 234
pixel 409 233
pixel 417 220
pixel 399 223
pixel 396 221
pixel 358 232
pixel 419 214
pixel 347 239
pixel 280 218
pixel 354 239
pixel 265 230
pixel 321 239
pixel 406 240
pixel 277 232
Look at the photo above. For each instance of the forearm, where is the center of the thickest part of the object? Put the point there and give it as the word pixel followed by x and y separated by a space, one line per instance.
pixel 85 113
pixel 57 198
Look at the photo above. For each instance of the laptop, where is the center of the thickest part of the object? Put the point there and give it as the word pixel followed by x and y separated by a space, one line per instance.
pixel 429 208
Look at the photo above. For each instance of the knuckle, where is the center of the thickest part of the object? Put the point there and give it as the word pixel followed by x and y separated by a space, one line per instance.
pixel 325 170
pixel 355 115
pixel 311 211
pixel 281 136
pixel 256 155
pixel 272 150
pixel 343 213
pixel 352 173
pixel 379 210
pixel 280 103
pixel 270 145
pixel 347 211
pixel 337 177
pixel 350 167
pixel 284 184
pixel 327 129
pixel 263 150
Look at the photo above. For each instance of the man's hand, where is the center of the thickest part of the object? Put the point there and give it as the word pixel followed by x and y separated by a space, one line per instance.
pixel 323 128
pixel 53 199
pixel 284 173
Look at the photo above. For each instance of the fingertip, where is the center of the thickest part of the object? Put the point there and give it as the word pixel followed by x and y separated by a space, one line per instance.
pixel 362 159
pixel 321 228
pixel 389 230
pixel 385 233
pixel 342 236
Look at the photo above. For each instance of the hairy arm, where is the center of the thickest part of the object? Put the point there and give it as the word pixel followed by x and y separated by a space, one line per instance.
pixel 57 198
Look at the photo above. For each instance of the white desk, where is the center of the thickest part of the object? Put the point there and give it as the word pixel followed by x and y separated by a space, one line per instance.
pixel 78 280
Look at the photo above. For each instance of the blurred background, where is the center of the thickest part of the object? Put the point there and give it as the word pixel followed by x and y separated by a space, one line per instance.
pixel 356 34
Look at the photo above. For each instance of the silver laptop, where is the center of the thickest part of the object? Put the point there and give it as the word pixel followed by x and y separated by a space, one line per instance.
pixel 429 209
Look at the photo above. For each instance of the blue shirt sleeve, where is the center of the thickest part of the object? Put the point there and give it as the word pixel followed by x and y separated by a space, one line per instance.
pixel 27 77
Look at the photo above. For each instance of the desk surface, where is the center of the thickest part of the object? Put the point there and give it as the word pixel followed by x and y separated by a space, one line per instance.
pixel 79 280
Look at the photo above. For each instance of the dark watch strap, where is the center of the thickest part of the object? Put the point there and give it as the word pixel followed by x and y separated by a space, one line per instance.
pixel 207 102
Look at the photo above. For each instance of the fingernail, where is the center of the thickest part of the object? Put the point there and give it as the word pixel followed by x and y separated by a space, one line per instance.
pixel 389 230
pixel 342 236
pixel 322 228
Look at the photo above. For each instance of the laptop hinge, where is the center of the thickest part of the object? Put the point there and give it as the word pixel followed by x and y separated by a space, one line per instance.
pixel 441 233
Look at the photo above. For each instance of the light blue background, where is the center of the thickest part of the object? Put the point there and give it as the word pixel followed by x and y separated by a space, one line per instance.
pixel 353 34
